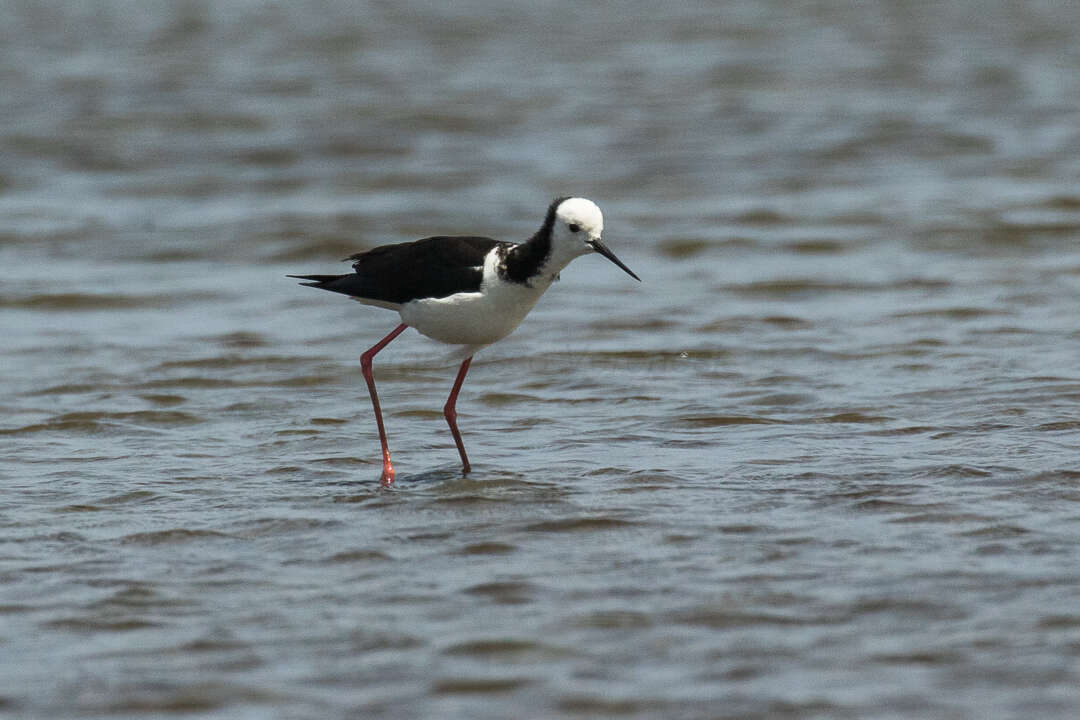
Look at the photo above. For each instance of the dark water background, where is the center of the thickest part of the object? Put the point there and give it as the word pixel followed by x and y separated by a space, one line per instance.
pixel 823 462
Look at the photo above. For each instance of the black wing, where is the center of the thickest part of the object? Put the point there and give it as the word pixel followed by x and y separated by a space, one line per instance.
pixel 434 267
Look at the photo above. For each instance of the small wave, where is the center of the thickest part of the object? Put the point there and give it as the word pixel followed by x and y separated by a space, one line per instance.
pixel 172 536
pixel 79 302
pixel 581 524
pixel 94 422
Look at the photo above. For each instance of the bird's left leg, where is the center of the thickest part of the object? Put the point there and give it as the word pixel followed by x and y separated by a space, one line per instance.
pixel 365 367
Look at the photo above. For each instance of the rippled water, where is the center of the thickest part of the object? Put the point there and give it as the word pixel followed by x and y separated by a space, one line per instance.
pixel 823 462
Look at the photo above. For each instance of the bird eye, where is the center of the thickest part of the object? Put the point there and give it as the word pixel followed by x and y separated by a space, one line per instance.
pixel 574 227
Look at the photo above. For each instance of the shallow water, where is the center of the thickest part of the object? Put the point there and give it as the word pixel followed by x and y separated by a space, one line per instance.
pixel 823 462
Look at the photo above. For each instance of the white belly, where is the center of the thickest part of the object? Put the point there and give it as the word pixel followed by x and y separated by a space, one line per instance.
pixel 478 318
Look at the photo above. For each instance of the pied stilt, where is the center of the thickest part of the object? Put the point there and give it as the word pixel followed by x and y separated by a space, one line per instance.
pixel 464 290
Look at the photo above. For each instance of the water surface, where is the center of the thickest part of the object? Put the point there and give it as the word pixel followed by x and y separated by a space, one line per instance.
pixel 823 462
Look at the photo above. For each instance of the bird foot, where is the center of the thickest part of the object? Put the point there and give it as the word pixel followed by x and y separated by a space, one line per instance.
pixel 387 475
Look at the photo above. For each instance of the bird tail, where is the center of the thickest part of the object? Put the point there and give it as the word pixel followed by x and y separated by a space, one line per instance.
pixel 317 280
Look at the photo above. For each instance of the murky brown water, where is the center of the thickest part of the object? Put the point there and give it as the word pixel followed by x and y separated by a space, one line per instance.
pixel 823 462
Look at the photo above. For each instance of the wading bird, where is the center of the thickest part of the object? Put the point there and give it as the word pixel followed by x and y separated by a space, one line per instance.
pixel 464 290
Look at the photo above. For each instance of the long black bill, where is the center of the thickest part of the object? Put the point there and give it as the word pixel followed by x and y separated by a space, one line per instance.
pixel 606 252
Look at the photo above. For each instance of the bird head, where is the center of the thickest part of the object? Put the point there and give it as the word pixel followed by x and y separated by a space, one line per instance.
pixel 577 230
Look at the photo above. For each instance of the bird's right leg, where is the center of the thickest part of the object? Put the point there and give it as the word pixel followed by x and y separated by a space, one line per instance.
pixel 365 367
pixel 450 412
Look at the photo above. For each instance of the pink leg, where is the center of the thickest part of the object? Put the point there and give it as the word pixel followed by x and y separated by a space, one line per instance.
pixel 365 367
pixel 450 411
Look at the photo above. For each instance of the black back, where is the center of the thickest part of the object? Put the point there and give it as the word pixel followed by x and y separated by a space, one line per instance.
pixel 434 267
pixel 437 267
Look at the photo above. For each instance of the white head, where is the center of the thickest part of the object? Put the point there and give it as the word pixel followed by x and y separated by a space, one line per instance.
pixel 578 225
pixel 580 219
